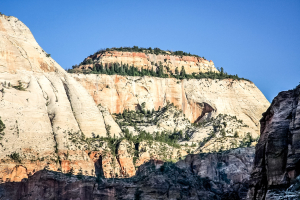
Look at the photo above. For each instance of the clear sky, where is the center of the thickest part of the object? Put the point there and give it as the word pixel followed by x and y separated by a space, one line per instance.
pixel 258 40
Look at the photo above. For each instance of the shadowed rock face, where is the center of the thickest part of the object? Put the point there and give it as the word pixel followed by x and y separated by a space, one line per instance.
pixel 277 156
pixel 203 176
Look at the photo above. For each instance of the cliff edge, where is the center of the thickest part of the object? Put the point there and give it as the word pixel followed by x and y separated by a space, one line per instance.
pixel 277 154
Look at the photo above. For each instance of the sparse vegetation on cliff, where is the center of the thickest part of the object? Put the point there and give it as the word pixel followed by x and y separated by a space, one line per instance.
pixel 19 86
pixel 2 127
pixel 149 50
pixel 222 135
pixel 15 156
pixel 151 118
pixel 157 71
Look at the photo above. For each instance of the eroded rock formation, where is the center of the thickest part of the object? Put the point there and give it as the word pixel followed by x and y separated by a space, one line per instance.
pixel 53 119
pixel 277 156
pixel 140 60
pixel 40 104
pixel 205 176
pixel 237 98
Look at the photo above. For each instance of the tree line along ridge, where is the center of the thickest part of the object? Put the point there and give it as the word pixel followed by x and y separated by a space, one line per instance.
pixel 160 71
pixel 156 69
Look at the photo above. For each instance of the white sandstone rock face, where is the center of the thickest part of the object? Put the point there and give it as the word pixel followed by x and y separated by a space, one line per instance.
pixel 40 104
pixel 197 99
pixel 20 51
pixel 109 121
pixel 25 116
pixel 88 116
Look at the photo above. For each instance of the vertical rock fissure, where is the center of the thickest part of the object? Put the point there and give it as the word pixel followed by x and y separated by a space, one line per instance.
pixel 20 52
pixel 51 117
pixel 69 99
pixel 53 88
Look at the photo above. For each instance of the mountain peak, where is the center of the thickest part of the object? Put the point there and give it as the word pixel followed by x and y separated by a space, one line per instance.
pixel 20 51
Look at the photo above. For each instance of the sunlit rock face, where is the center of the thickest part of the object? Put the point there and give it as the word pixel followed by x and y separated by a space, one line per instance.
pixel 51 116
pixel 40 105
pixel 198 99
pixel 277 155
pixel 191 64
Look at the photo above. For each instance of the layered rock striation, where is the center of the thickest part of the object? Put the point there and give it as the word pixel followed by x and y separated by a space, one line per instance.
pixel 191 64
pixel 205 176
pixel 54 120
pixel 277 155
pixel 40 105
pixel 198 99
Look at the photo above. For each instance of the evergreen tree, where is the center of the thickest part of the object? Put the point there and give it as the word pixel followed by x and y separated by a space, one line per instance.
pixel 105 69
pixel 112 69
pixel 160 71
pixel 182 72
pixel 101 68
pixel 121 70
pixel 176 71
pixel 152 72
pixel 222 71
pixel 94 68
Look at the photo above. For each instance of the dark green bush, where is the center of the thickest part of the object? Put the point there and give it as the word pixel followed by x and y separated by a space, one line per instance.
pixel 19 86
pixel 16 157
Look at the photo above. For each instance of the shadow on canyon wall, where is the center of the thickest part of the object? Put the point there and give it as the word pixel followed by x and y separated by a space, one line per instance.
pixel 199 176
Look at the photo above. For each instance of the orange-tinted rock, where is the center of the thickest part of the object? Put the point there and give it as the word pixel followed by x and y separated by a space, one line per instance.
pixel 125 158
pixel 196 98
pixel 147 61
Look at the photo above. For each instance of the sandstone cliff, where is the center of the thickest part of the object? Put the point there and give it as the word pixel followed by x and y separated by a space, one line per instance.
pixel 198 99
pixel 277 155
pixel 143 60
pixel 54 120
pixel 206 176
pixel 40 104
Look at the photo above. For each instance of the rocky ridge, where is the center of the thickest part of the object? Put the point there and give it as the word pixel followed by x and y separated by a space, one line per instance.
pixel 147 60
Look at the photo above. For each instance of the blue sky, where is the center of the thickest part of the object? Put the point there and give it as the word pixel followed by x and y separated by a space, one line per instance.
pixel 258 40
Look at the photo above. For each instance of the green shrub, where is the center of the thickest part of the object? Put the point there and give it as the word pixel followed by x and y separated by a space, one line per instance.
pixel 19 86
pixel 2 127
pixel 16 157
pixel 236 134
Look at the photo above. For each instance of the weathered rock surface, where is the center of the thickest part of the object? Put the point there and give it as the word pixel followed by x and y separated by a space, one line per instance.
pixel 277 156
pixel 205 176
pixel 53 118
pixel 114 129
pixel 148 61
pixel 39 105
pixel 197 98
pixel 222 132
pixel 159 151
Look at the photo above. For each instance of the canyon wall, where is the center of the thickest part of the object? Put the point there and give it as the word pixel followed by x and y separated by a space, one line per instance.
pixel 191 64
pixel 40 104
pixel 197 98
pixel 277 154
pixel 220 176
pixel 51 117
